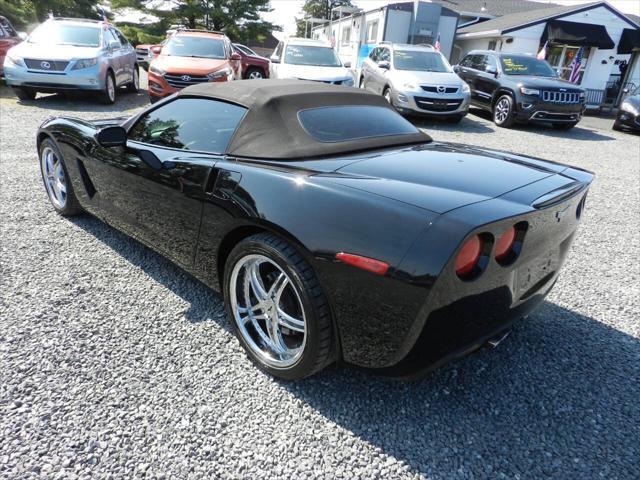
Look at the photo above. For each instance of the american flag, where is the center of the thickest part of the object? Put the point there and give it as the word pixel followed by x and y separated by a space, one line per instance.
pixel 437 45
pixel 575 66
pixel 542 54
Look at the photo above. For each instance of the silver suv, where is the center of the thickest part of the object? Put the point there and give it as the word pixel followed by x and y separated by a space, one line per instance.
pixel 415 79
pixel 72 54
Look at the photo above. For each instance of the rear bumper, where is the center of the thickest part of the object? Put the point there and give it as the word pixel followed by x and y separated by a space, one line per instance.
pixel 425 316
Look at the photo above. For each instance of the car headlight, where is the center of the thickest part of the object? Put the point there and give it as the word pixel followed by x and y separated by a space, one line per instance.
pixel 465 87
pixel 627 107
pixel 529 91
pixel 223 72
pixel 156 70
pixel 348 82
pixel 85 63
pixel 14 59
pixel 410 86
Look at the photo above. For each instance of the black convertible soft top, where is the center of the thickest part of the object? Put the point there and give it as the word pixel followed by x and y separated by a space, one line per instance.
pixel 271 128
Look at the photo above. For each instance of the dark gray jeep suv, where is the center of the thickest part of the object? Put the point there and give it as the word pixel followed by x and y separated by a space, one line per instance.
pixel 520 88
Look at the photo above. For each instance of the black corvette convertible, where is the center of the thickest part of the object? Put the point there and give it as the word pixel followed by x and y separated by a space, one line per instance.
pixel 336 230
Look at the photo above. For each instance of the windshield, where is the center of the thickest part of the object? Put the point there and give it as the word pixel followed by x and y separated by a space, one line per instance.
pixel 66 34
pixel 184 46
pixel 417 60
pixel 306 55
pixel 526 66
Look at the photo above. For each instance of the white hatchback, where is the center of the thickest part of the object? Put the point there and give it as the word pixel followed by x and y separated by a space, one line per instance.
pixel 307 59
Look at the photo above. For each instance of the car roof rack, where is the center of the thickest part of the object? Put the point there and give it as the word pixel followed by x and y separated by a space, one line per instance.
pixel 72 19
pixel 198 30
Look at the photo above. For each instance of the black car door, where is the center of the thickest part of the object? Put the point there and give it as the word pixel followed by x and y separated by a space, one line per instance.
pixel 156 185
pixel 486 81
pixel 468 74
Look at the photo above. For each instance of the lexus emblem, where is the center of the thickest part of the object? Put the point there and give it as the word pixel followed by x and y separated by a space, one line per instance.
pixel 563 89
pixel 186 78
pixel 441 89
pixel 45 65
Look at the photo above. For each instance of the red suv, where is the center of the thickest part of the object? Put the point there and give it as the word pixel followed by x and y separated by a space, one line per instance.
pixel 8 38
pixel 253 65
pixel 190 57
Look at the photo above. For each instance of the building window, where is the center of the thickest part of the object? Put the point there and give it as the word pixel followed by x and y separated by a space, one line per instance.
pixel 560 57
pixel 372 31
pixel 346 36
pixel 492 45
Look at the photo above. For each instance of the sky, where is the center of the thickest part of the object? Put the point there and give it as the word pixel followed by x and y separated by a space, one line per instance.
pixel 285 11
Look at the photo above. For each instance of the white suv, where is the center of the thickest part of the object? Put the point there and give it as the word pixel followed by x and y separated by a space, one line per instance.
pixel 307 59
pixel 415 79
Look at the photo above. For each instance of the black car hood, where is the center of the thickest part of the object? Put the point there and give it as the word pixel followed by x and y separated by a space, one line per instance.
pixel 542 82
pixel 440 177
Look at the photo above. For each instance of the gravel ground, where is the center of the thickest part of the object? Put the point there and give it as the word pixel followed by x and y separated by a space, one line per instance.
pixel 116 364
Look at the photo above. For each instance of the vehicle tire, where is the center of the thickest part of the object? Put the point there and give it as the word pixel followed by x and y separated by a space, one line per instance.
pixel 564 126
pixel 134 86
pixel 56 180
pixel 108 96
pixel 254 74
pixel 386 93
pixel 616 126
pixel 503 112
pixel 24 93
pixel 289 330
pixel 361 83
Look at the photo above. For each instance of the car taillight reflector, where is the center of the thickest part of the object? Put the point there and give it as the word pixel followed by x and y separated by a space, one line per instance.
pixel 468 257
pixel 505 243
pixel 365 263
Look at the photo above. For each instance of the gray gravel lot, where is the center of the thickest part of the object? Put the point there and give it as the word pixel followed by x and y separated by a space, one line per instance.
pixel 116 364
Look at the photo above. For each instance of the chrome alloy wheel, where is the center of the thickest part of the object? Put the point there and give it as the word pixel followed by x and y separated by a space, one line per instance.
pixel 267 310
pixel 502 110
pixel 255 74
pixel 54 178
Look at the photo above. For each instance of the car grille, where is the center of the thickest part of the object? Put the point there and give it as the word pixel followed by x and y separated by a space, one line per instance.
pixel 434 89
pixel 560 97
pixel 330 82
pixel 438 104
pixel 142 51
pixel 182 80
pixel 53 65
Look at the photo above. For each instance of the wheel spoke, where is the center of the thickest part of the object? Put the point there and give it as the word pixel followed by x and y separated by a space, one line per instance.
pixel 278 286
pixel 256 282
pixel 286 320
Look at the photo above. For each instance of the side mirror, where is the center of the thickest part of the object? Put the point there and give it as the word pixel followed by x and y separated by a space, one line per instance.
pixel 235 56
pixel 112 137
pixel 22 36
pixel 274 59
pixel 384 64
pixel 456 68
pixel 113 46
pixel 625 90
pixel 156 49
pixel 347 64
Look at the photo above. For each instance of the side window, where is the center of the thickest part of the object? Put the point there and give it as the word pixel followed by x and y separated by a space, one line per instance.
pixel 466 61
pixel 478 62
pixel 190 124
pixel 121 38
pixel 385 55
pixel 374 54
pixel 372 31
pixel 278 51
pixel 110 37
pixel 491 63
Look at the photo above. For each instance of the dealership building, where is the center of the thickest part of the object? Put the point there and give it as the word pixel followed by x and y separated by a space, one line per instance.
pixel 610 39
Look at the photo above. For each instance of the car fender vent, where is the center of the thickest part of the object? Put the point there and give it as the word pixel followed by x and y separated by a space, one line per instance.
pixel 86 180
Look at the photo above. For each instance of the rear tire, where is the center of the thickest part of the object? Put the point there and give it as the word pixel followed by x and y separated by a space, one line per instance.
pixel 108 95
pixel 134 86
pixel 616 126
pixel 299 352
pixel 503 112
pixel 56 180
pixel 386 93
pixel 254 74
pixel 24 93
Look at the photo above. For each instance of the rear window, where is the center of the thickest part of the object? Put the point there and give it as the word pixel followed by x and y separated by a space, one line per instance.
pixel 344 123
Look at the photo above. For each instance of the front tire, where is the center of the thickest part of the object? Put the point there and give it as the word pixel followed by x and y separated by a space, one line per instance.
pixel 277 307
pixel 387 95
pixel 56 180
pixel 503 112
pixel 134 86
pixel 24 93
pixel 109 92
pixel 254 74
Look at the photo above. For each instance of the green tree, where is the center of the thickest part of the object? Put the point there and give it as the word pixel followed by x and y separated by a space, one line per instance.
pixel 317 9
pixel 19 13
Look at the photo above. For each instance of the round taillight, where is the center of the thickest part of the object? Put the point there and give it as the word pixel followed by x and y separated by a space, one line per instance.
pixel 505 244
pixel 468 257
